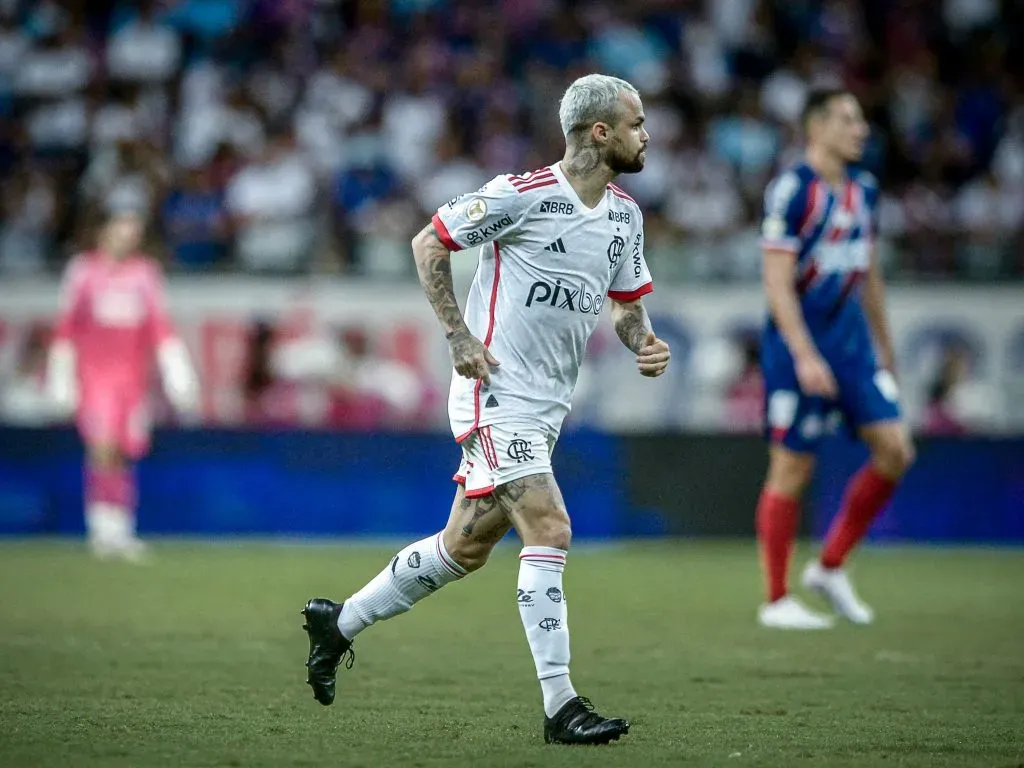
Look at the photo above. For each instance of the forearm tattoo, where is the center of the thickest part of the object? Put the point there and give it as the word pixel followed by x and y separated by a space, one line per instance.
pixel 632 325
pixel 434 267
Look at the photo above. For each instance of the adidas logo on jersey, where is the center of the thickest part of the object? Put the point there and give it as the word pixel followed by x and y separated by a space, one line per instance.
pixel 492 402
pixel 556 246
pixel 564 297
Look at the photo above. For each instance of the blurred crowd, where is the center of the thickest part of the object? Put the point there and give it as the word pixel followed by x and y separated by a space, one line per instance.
pixel 289 136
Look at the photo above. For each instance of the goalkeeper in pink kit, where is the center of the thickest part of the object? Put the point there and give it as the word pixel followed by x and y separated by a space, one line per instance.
pixel 113 323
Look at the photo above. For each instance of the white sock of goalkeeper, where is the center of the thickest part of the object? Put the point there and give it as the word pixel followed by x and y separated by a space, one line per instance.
pixel 419 570
pixel 543 611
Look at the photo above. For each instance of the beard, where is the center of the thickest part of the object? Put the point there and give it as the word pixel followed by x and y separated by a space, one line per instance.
pixel 621 163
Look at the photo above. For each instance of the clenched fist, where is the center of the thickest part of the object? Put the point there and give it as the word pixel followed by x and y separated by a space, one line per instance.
pixel 470 358
pixel 653 357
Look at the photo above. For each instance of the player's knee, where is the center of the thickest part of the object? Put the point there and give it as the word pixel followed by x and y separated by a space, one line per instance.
pixel 471 555
pixel 104 457
pixel 894 457
pixel 553 533
pixel 790 478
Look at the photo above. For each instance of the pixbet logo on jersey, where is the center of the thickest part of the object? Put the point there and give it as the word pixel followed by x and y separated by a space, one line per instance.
pixel 478 236
pixel 563 297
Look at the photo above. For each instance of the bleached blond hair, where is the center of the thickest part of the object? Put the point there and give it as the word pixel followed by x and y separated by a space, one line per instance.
pixel 592 99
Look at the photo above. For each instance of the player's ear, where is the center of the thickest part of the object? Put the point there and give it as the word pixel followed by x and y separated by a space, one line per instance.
pixel 599 133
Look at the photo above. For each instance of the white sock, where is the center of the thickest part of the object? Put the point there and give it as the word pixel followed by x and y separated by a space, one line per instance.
pixel 418 570
pixel 543 611
pixel 108 525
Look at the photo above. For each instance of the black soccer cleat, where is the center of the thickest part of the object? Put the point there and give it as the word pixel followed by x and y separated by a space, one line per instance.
pixel 577 723
pixel 328 648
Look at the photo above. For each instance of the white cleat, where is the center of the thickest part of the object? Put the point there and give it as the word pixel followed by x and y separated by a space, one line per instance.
pixel 133 550
pixel 101 549
pixel 834 585
pixel 789 613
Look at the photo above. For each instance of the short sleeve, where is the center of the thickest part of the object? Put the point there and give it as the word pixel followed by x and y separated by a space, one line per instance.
pixel 784 204
pixel 159 319
pixel 494 211
pixel 72 295
pixel 632 277
pixel 869 185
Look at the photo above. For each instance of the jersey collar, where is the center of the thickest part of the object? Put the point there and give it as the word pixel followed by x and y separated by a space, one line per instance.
pixel 594 212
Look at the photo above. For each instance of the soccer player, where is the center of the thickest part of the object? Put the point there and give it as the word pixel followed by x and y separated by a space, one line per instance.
pixel 826 306
pixel 113 322
pixel 552 245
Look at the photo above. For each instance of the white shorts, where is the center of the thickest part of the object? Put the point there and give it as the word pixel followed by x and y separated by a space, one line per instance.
pixel 500 453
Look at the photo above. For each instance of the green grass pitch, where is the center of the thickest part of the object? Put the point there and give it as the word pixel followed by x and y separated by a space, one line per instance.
pixel 197 660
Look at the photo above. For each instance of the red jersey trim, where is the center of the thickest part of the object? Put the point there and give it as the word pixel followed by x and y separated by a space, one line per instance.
pixel 442 234
pixel 643 290
pixel 815 200
pixel 789 245
pixel 619 192
pixel 487 341
pixel 537 185
pixel 488 446
pixel 542 177
pixel 807 278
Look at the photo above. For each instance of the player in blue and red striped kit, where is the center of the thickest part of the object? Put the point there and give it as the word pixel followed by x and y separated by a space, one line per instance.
pixel 827 358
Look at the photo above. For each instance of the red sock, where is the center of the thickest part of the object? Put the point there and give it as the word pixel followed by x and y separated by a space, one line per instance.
pixel 110 485
pixel 777 518
pixel 866 495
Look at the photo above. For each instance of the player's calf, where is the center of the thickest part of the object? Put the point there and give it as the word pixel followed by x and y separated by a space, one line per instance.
pixel 536 508
pixel 110 505
pixel 416 572
pixel 869 491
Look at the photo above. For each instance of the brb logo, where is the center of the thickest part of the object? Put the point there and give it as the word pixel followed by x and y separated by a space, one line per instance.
pixel 615 249
pixel 563 297
pixel 557 206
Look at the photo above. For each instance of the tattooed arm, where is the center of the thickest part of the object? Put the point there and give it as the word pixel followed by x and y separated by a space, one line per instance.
pixel 633 327
pixel 631 323
pixel 470 357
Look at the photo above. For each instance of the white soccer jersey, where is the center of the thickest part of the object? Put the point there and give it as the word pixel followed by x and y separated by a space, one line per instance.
pixel 546 263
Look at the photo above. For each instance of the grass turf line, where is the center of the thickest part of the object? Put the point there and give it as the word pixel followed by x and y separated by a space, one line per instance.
pixel 197 660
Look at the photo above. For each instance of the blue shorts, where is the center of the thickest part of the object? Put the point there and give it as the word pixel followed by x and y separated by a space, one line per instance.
pixel 867 395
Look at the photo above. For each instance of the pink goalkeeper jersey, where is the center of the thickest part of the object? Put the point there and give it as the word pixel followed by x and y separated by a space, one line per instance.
pixel 115 316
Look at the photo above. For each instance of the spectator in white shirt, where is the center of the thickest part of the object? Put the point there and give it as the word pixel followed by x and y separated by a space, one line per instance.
pixel 271 200
pixel 144 50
